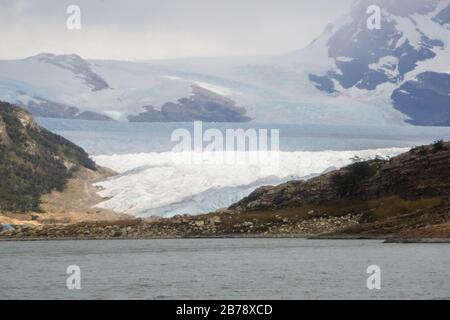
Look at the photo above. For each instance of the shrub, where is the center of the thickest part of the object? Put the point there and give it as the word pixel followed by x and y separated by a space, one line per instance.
pixel 438 146
pixel 423 151
pixel 348 179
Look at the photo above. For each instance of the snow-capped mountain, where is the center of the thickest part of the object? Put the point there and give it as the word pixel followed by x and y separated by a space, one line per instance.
pixel 366 58
pixel 412 46
pixel 349 74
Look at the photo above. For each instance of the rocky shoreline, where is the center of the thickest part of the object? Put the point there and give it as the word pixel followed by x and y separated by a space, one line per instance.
pixel 206 226
pixel 212 226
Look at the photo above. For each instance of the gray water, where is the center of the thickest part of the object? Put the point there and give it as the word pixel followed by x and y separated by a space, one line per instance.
pixel 105 137
pixel 224 269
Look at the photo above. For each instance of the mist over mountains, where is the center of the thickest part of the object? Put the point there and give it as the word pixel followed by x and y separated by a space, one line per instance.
pixel 349 75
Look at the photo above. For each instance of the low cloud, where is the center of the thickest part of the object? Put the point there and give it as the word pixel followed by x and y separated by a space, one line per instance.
pixel 141 30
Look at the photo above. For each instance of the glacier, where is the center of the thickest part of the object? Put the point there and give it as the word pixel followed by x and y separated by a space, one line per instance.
pixel 155 184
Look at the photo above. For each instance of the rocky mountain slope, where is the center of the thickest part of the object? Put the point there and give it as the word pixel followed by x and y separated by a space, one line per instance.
pixel 33 161
pixel 366 58
pixel 405 62
pixel 426 99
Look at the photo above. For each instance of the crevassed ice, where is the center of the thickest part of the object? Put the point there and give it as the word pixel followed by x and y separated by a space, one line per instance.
pixel 156 184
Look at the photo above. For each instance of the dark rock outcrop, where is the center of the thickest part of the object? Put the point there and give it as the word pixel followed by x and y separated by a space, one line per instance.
pixel 150 114
pixel 426 99
pixel 203 105
pixel 90 115
pixel 443 17
pixel 44 108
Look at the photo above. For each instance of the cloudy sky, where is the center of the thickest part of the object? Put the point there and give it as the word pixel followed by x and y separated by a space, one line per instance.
pixel 157 29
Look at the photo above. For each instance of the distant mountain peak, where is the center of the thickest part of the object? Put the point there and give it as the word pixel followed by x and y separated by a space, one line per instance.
pixel 366 58
pixel 412 39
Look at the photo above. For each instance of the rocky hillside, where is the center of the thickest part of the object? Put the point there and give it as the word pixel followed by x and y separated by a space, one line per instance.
pixel 406 192
pixel 33 161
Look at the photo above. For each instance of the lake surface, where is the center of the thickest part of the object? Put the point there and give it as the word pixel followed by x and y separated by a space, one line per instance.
pixel 106 138
pixel 224 269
